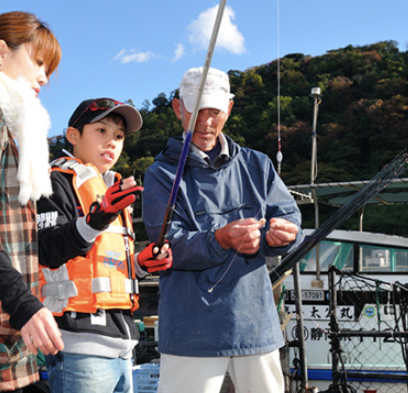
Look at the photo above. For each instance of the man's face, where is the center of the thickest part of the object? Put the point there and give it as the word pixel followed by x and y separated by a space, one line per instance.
pixel 209 124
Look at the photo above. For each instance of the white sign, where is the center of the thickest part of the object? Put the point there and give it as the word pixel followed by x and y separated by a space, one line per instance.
pixel 321 312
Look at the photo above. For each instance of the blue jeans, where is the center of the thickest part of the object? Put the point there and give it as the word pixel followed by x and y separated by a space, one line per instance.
pixel 72 373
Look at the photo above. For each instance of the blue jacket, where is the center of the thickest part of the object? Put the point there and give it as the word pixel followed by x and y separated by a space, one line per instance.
pixel 238 317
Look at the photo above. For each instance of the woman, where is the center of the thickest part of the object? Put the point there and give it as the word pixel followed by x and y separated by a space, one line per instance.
pixel 29 54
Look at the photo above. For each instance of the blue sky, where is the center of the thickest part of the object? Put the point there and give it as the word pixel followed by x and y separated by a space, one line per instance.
pixel 133 49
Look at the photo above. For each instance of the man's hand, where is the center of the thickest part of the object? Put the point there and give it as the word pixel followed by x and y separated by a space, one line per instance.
pixel 281 232
pixel 242 235
pixel 41 331
pixel 152 261
pixel 117 197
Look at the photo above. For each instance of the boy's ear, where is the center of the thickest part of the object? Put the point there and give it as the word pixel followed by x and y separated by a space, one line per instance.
pixel 72 135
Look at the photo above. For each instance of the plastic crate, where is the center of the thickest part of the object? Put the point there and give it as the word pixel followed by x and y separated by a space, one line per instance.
pixel 146 378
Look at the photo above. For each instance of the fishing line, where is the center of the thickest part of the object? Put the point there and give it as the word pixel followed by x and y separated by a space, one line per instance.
pixel 235 256
pixel 225 272
pixel 279 155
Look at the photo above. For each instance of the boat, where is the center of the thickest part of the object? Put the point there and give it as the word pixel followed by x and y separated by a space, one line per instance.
pixel 343 313
pixel 371 333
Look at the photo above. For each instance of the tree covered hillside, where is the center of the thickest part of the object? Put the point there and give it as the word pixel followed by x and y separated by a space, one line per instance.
pixel 362 121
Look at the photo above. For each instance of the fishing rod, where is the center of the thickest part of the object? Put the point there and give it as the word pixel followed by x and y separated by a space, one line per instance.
pixel 395 168
pixel 190 129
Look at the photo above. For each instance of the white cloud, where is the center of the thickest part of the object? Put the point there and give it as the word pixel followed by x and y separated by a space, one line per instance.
pixel 131 56
pixel 229 37
pixel 178 53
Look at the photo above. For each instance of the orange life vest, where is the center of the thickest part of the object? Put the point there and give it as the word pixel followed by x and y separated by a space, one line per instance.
pixel 103 279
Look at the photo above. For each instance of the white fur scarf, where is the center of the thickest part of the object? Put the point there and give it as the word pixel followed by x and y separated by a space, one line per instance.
pixel 28 122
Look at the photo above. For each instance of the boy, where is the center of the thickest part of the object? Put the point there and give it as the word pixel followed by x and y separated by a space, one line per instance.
pixel 88 273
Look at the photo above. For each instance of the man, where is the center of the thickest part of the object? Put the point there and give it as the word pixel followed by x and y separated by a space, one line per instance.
pixel 217 312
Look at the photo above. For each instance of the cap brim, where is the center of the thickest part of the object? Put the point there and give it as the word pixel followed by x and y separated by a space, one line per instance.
pixel 207 101
pixel 132 116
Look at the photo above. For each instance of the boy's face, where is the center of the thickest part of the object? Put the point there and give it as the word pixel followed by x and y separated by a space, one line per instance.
pixel 100 144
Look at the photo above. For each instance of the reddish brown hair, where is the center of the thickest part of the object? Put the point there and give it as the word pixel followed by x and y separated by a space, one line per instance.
pixel 17 28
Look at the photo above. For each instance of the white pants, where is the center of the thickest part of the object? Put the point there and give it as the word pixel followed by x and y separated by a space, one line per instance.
pixel 254 373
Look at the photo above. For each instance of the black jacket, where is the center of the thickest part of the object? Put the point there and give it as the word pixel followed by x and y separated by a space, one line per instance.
pixel 16 298
pixel 60 241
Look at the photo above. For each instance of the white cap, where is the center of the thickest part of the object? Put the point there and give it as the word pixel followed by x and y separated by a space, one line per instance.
pixel 216 92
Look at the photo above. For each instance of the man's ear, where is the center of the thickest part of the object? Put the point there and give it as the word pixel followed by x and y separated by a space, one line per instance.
pixel 231 104
pixel 72 135
pixel 177 107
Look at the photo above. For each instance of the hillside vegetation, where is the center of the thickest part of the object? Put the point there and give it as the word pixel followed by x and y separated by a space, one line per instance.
pixel 362 120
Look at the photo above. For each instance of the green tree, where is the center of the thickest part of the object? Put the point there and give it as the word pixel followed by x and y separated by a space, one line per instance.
pixel 362 120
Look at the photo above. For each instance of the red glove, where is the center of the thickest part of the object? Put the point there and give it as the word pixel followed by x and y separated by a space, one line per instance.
pixel 114 201
pixel 148 263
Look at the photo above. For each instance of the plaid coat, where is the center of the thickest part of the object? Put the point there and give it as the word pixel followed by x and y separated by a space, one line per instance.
pixel 18 239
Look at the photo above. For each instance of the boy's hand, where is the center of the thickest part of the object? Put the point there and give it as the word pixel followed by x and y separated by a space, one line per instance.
pixel 150 262
pixel 117 197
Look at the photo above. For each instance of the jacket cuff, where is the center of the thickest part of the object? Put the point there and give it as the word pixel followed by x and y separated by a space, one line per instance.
pixel 140 273
pixel 87 233
pixel 30 305
pixel 218 251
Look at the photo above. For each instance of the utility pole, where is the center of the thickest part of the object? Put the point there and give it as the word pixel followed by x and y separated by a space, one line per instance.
pixel 315 94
